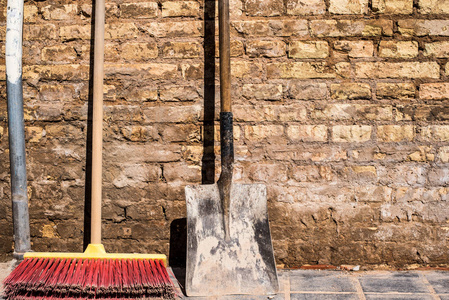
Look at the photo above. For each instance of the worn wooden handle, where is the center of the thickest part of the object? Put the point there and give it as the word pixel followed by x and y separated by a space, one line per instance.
pixel 97 123
pixel 225 56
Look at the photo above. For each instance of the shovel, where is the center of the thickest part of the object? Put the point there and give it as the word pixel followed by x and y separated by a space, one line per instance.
pixel 229 249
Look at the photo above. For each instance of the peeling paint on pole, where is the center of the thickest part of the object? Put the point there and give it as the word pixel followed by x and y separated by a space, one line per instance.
pixel 14 25
pixel 16 127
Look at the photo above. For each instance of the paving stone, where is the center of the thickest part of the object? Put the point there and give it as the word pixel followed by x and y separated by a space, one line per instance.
pixel 439 281
pixel 401 282
pixel 302 296
pixel 320 281
pixel 250 297
pixel 399 297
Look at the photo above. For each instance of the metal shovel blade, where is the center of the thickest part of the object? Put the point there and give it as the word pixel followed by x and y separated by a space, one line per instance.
pixel 242 265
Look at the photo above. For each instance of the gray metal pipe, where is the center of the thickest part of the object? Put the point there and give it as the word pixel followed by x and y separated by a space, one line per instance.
pixel 16 127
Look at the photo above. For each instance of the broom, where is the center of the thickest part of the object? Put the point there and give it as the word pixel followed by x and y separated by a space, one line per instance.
pixel 93 274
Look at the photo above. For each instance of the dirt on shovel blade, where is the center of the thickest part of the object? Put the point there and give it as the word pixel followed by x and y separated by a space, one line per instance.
pixel 244 264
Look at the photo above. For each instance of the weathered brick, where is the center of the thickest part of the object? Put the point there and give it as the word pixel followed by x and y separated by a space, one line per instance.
pixel 236 48
pixel 398 49
pixel 140 94
pixel 260 48
pixel 136 175
pixel 62 53
pixel 421 113
pixel 353 112
pixel 51 92
pixel 180 9
pixel 395 90
pixel 181 133
pixel 305 7
pixel 343 70
pixel 397 70
pixel 181 50
pixel 138 51
pixel 438 133
pixel 270 113
pixel 345 7
pixel 174 29
pixel 260 132
pixel 263 91
pixel 311 173
pixel 139 133
pixel 351 91
pixel 307 133
pixel 264 8
pixel 245 69
pixel 307 90
pixel 342 28
pixel 39 32
pixel 355 49
pixel 139 10
pixel 139 153
pixel 57 72
pixel 300 70
pixel 393 6
pixel 144 71
pixel 423 154
pixel 438 177
pixel 402 175
pixel 172 114
pixel 437 49
pixel 178 93
pixel 120 30
pixel 443 154
pixel 310 49
pixel 30 13
pixel 264 172
pixel 252 28
pixel 272 27
pixel 63 12
pixel 182 172
pixel 289 27
pixel 433 7
pixel 395 133
pixel 434 91
pixel 71 32
pixel 192 71
pixel 419 27
pixel 34 134
pixel 351 133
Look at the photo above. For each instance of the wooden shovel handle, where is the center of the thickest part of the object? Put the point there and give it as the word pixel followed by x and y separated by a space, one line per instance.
pixel 97 123
pixel 225 56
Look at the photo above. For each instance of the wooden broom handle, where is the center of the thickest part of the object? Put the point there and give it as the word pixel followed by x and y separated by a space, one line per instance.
pixel 97 123
pixel 225 56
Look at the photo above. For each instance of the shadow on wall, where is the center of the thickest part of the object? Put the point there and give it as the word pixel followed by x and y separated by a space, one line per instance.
pixel 178 228
pixel 88 182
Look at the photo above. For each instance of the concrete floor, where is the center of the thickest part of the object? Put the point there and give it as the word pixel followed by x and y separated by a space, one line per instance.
pixel 343 285
pixel 340 285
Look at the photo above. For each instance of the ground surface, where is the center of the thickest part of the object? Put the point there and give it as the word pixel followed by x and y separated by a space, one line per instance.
pixel 340 285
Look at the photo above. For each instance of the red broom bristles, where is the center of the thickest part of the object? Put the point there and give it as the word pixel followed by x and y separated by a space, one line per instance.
pixel 61 278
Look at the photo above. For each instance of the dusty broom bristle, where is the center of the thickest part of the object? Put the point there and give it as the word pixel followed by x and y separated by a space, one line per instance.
pixel 63 278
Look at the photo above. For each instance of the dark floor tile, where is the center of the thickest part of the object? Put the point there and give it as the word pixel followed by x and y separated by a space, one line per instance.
pixel 249 297
pixel 400 282
pixel 320 281
pixel 303 296
pixel 398 297
pixel 439 281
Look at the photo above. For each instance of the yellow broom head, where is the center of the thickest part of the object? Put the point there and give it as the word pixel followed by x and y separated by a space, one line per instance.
pixel 93 274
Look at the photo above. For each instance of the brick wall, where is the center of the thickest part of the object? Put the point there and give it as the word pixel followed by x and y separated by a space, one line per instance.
pixel 340 108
